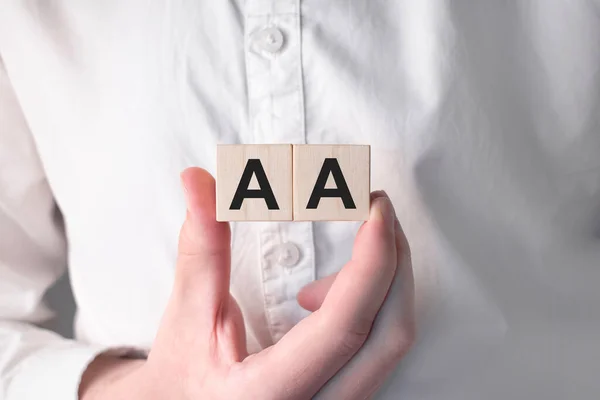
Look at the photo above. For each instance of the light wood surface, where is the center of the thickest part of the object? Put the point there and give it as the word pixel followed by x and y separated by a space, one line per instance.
pixel 276 160
pixel 354 163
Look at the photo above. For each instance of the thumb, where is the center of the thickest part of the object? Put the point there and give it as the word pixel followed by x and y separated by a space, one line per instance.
pixel 311 296
pixel 203 261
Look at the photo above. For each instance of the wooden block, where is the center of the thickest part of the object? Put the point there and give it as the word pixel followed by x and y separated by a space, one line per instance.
pixel 254 182
pixel 331 182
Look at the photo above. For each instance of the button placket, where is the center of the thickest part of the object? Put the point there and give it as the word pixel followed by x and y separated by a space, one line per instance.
pixel 282 282
pixel 273 67
pixel 276 112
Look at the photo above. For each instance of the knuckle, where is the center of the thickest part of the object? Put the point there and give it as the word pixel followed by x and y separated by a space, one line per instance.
pixel 399 342
pixel 352 339
pixel 410 334
pixel 349 344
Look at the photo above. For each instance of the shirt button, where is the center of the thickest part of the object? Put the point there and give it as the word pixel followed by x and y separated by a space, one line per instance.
pixel 270 39
pixel 288 254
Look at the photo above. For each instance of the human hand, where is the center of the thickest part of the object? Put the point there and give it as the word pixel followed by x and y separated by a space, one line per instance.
pixel 391 335
pixel 200 348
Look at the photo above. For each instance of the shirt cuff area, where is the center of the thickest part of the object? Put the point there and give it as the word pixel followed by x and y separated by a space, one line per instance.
pixel 55 373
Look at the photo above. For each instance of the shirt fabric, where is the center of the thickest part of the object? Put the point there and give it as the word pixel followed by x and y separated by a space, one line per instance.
pixel 483 120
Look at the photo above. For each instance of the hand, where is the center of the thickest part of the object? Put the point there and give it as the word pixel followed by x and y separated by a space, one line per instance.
pixel 200 348
pixel 391 335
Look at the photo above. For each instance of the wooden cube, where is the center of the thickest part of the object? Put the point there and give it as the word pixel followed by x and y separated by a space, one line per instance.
pixel 254 182
pixel 331 182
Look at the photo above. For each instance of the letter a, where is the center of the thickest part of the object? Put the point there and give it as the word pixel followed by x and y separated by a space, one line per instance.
pixel 254 167
pixel 331 166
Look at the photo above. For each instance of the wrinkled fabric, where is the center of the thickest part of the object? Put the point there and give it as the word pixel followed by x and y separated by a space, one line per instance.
pixel 484 125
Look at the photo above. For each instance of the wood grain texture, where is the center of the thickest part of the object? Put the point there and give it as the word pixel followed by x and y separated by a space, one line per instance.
pixel 354 162
pixel 276 160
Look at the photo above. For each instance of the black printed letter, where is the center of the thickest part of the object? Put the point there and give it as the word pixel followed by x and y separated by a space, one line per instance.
pixel 254 166
pixel 330 165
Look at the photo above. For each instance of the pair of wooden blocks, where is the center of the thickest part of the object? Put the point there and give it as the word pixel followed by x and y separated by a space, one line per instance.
pixel 284 182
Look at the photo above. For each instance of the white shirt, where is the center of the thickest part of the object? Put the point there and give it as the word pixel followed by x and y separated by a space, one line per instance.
pixel 484 125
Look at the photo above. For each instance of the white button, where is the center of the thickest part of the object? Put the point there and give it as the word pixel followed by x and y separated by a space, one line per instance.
pixel 270 39
pixel 288 254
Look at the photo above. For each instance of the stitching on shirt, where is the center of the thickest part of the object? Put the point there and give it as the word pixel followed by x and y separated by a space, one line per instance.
pixel 248 83
pixel 267 14
pixel 300 95
pixel 302 113
pixel 266 309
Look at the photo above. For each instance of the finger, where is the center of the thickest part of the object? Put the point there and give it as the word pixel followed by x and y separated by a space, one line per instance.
pixel 390 338
pixel 360 287
pixel 311 296
pixel 324 341
pixel 203 260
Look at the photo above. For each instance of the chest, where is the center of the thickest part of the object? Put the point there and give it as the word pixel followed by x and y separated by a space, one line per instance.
pixel 122 97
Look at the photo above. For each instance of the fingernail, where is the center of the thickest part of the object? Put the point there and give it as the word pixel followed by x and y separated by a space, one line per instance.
pixel 383 210
pixel 185 192
pixel 378 193
pixel 190 212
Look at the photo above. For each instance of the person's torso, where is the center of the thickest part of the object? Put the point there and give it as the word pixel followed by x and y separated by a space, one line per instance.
pixel 483 121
